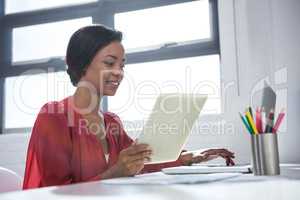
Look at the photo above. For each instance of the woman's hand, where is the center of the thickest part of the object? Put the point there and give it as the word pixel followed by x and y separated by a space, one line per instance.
pixel 131 160
pixel 189 158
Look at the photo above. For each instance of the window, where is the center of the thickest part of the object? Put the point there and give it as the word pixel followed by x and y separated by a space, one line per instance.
pixel 167 24
pixel 26 94
pixel 15 6
pixel 31 74
pixel 44 40
pixel 143 82
pixel 178 39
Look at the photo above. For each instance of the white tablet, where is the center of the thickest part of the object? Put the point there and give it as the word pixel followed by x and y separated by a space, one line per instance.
pixel 170 123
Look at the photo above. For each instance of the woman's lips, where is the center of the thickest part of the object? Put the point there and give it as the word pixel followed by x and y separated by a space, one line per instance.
pixel 113 83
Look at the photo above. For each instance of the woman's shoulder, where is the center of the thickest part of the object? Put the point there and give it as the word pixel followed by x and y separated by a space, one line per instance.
pixel 51 118
pixel 54 108
pixel 111 117
pixel 51 124
pixel 113 120
pixel 52 111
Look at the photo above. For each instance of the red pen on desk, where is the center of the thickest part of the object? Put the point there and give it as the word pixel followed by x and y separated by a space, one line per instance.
pixel 278 121
pixel 258 120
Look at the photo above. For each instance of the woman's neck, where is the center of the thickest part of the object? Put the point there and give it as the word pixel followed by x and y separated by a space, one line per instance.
pixel 86 101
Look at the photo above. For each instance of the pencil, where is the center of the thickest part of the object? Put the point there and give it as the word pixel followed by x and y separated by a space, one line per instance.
pixel 246 124
pixel 250 120
pixel 251 113
pixel 278 121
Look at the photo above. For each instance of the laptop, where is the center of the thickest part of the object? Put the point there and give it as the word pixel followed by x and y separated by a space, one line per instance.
pixel 208 169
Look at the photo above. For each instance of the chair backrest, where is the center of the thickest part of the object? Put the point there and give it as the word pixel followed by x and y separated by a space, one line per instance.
pixel 10 181
pixel 13 148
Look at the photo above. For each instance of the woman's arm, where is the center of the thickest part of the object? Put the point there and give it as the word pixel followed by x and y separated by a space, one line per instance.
pixel 49 152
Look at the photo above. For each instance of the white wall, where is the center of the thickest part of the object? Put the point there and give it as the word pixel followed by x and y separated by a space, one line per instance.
pixel 259 40
pixel 286 43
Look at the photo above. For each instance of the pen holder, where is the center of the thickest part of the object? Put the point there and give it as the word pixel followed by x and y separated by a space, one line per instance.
pixel 265 157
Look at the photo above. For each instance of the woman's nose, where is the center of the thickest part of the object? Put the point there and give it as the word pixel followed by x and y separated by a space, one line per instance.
pixel 117 72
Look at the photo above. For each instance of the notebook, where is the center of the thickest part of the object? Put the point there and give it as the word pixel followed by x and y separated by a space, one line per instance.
pixel 170 123
pixel 200 169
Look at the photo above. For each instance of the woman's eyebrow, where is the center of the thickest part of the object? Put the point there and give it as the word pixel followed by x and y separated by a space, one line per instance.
pixel 115 57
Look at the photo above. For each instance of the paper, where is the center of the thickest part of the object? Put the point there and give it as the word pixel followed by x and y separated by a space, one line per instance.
pixel 268 99
pixel 158 178
pixel 170 124
pixel 198 169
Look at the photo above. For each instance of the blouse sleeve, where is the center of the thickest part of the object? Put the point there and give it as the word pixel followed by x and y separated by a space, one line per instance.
pixel 126 141
pixel 49 152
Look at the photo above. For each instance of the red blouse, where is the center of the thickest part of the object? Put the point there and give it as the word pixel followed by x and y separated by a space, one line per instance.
pixel 62 151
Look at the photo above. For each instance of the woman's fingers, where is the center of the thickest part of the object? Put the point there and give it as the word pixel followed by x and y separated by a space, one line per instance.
pixel 186 155
pixel 135 167
pixel 210 157
pixel 227 156
pixel 186 158
pixel 229 162
pixel 224 155
pixel 222 152
pixel 137 148
pixel 131 160
pixel 198 159
pixel 211 154
pixel 218 151
pixel 140 156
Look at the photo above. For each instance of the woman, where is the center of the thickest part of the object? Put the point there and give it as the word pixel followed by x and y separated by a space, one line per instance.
pixel 72 140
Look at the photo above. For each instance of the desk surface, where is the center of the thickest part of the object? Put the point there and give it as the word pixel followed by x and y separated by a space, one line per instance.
pixel 242 186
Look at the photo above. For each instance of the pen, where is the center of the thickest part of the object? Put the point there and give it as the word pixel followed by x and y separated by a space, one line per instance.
pixel 263 120
pixel 269 121
pixel 278 121
pixel 258 120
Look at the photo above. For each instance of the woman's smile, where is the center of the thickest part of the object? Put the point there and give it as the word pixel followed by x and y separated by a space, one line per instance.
pixel 112 83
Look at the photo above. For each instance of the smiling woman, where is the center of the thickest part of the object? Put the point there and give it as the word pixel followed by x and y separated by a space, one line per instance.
pixel 73 140
pixel 86 63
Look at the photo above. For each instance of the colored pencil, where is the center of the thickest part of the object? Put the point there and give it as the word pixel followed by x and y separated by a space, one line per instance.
pixel 250 120
pixel 246 124
pixel 278 121
pixel 251 113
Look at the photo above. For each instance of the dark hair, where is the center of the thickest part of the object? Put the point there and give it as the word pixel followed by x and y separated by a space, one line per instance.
pixel 83 46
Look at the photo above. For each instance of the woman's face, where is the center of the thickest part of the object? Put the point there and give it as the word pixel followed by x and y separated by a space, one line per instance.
pixel 105 72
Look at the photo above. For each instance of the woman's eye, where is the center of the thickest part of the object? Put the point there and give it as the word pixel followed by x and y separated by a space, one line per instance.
pixel 109 63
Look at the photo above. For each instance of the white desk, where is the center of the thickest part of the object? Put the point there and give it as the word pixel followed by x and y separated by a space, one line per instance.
pixel 246 186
